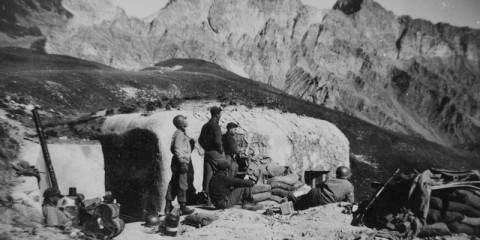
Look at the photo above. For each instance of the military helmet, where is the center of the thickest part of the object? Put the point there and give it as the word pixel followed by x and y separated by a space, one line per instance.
pixel 51 192
pixel 343 172
pixel 152 220
pixel 178 121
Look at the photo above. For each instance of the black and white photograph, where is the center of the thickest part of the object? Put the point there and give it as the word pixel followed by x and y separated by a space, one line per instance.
pixel 240 119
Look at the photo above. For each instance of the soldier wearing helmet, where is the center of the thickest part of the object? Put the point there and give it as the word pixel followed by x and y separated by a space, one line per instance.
pixel 333 190
pixel 181 166
pixel 54 217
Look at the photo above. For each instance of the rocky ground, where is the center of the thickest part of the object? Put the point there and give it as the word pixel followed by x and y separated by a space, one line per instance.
pixel 325 222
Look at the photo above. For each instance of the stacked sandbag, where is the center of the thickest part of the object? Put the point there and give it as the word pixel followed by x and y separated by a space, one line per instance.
pixel 261 192
pixel 459 210
pixel 283 186
pixel 278 188
pixel 262 168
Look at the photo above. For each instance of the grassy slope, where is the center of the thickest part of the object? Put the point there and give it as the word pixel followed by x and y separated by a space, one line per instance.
pixel 84 87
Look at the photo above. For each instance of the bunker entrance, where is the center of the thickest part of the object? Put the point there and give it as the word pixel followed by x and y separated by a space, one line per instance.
pixel 133 172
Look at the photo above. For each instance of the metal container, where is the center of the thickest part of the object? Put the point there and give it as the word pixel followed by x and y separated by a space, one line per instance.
pixel 287 208
pixel 171 223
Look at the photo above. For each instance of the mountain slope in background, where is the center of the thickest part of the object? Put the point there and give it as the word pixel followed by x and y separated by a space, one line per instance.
pixel 403 74
pixel 73 87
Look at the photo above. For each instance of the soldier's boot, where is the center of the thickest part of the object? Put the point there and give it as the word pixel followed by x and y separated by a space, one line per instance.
pixel 185 210
pixel 168 207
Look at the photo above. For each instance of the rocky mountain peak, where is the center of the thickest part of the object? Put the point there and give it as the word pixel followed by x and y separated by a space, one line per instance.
pixel 348 6
pixel 89 12
pixel 403 74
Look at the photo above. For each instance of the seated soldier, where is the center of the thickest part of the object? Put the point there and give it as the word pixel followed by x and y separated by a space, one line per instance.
pixel 230 148
pixel 333 190
pixel 226 191
pixel 54 217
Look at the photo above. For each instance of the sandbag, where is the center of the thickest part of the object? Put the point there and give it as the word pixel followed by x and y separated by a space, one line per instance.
pixel 467 197
pixel 298 184
pixel 457 227
pixel 280 192
pixel 282 185
pixel 436 229
pixel 436 203
pixel 276 198
pixel 274 169
pixel 200 219
pixel 259 197
pixel 290 179
pixel 260 188
pixel 435 216
pixel 467 210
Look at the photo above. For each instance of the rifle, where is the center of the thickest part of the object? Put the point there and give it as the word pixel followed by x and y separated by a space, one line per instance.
pixel 358 220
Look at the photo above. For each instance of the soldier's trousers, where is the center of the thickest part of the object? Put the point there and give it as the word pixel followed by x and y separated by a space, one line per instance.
pixel 209 167
pixel 239 194
pixel 179 183
pixel 311 199
pixel 233 165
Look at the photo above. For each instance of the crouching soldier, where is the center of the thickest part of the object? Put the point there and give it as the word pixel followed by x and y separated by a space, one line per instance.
pixel 54 217
pixel 333 190
pixel 181 165
pixel 226 191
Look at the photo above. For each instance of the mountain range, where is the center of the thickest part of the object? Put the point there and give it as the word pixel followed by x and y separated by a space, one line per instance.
pixel 402 74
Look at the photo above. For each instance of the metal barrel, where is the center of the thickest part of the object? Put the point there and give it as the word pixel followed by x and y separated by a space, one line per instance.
pixel 43 144
pixel 171 224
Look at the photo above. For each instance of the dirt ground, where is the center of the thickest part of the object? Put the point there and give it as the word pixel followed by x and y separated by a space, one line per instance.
pixel 324 222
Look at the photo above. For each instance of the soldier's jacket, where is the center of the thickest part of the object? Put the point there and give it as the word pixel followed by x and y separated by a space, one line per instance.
pixel 221 185
pixel 229 144
pixel 211 137
pixel 336 190
pixel 180 147
pixel 54 216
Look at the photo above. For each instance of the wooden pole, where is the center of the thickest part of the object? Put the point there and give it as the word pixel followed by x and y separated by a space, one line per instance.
pixel 43 144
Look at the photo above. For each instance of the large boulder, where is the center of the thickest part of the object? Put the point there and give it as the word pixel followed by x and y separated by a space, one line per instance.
pixel 302 143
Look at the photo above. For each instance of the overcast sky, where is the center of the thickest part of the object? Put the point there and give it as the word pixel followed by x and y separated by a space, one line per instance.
pixel 455 12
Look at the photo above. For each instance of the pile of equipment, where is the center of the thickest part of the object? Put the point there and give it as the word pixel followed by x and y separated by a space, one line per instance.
pixel 100 218
pixel 433 203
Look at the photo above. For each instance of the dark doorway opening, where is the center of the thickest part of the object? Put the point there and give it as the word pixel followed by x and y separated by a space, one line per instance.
pixel 133 172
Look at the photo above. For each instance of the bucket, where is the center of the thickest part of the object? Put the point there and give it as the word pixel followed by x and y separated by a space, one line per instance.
pixel 171 223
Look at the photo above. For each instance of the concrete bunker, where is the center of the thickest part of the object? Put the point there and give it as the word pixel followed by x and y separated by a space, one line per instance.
pixel 137 149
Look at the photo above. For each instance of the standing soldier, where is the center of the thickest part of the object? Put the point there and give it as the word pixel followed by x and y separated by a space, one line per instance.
pixel 231 148
pixel 181 148
pixel 211 141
